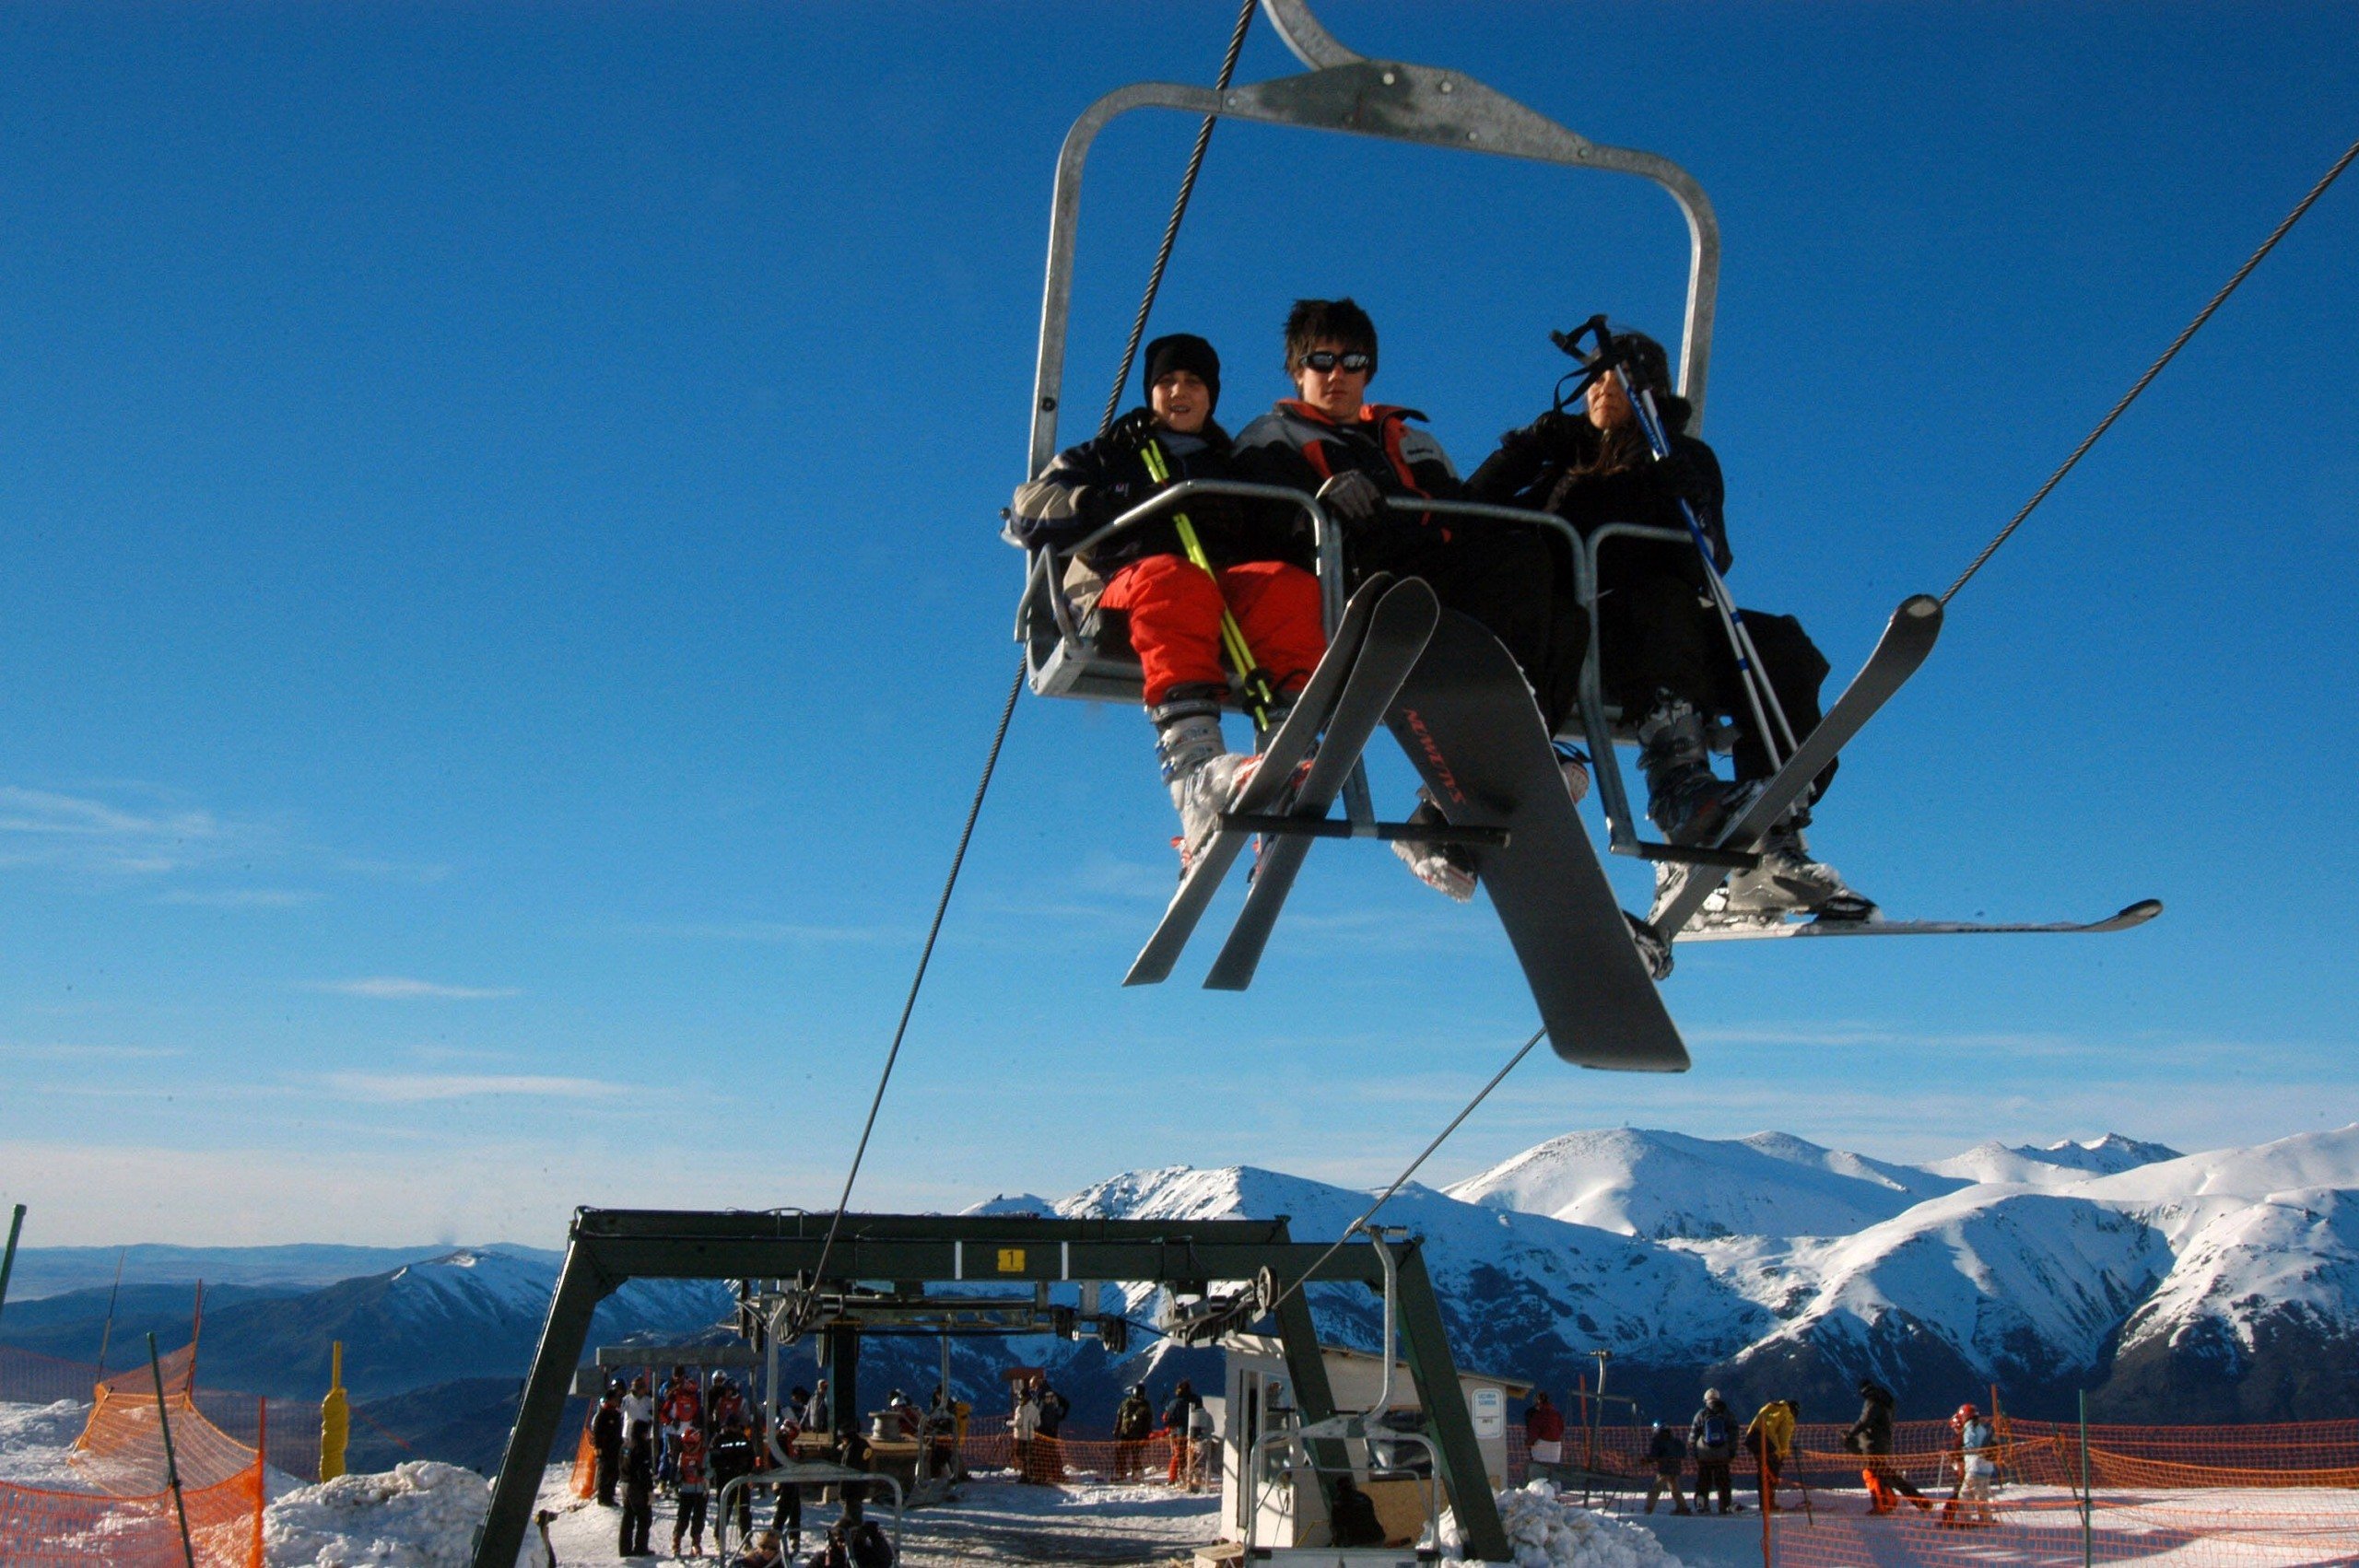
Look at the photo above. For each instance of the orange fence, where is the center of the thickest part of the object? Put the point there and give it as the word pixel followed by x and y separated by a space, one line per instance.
pixel 128 1516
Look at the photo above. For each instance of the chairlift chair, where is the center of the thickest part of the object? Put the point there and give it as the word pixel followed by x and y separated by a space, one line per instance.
pixel 1068 656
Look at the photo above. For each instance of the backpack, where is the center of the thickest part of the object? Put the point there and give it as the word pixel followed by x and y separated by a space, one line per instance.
pixel 1714 1440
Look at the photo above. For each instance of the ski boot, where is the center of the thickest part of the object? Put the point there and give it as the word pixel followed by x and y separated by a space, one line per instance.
pixel 1202 773
pixel 1788 881
pixel 1684 798
pixel 1653 951
pixel 1446 868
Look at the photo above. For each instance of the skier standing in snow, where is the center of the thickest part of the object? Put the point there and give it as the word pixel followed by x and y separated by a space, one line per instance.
pixel 1711 1437
pixel 606 1442
pixel 1663 658
pixel 1871 1436
pixel 1770 1438
pixel 683 1408
pixel 1544 1435
pixel 1047 1454
pixel 639 1490
pixel 1668 1450
pixel 731 1455
pixel 786 1511
pixel 814 1415
pixel 1973 1434
pixel 1354 456
pixel 689 1483
pixel 1175 1426
pixel 1171 604
pixel 1200 1444
pixel 1024 1428
pixel 1134 1418
pixel 638 1409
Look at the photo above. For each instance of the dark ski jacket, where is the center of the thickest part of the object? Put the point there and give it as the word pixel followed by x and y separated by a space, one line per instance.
pixel 638 1477
pixel 1667 1448
pixel 1053 1407
pixel 1723 1452
pixel 1175 1411
pixel 1298 446
pixel 1871 1433
pixel 1134 1418
pixel 731 1456
pixel 607 1428
pixel 1089 485
pixel 1537 466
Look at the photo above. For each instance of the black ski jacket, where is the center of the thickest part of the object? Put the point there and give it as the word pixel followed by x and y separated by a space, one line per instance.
pixel 607 1427
pixel 1298 446
pixel 1537 466
pixel 1089 485
pixel 731 1455
pixel 1135 1419
pixel 1667 1448
pixel 1871 1433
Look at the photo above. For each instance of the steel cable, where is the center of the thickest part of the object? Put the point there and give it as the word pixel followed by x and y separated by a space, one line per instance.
pixel 1402 1179
pixel 1016 689
pixel 1179 211
pixel 2156 368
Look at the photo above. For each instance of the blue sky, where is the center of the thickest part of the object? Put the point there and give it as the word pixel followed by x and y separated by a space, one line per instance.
pixel 503 613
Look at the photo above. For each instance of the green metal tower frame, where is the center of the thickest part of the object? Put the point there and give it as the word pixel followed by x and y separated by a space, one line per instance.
pixel 606 1247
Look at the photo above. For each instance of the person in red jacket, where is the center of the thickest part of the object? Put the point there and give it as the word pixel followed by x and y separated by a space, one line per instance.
pixel 1170 606
pixel 1543 1433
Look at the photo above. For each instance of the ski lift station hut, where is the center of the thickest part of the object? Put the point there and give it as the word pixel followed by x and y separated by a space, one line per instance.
pixel 1266 1502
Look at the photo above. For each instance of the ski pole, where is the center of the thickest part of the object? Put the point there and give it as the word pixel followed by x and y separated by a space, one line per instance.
pixel 1260 696
pixel 1757 690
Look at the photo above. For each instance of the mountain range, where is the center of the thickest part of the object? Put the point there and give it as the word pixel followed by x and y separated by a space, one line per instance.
pixel 2218 1286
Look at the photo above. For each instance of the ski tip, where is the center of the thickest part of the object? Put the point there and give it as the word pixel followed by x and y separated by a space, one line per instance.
pixel 1920 606
pixel 2137 914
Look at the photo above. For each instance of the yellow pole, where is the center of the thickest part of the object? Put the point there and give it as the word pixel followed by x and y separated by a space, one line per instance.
pixel 1257 695
pixel 336 1417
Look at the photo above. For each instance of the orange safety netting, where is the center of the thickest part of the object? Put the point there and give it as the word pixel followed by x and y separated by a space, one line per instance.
pixel 53 1529
pixel 121 1450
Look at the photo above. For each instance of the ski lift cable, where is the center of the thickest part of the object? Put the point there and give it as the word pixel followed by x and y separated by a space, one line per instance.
pixel 2156 368
pixel 1007 709
pixel 1179 211
pixel 1402 1179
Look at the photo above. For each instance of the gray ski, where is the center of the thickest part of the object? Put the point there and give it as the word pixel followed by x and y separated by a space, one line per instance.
pixel 1469 724
pixel 1906 639
pixel 1264 790
pixel 2137 915
pixel 1396 637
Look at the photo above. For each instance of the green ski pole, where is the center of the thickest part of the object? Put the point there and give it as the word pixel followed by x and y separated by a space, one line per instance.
pixel 1260 696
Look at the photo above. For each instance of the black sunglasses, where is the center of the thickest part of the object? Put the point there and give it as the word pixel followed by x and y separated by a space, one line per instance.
pixel 1323 360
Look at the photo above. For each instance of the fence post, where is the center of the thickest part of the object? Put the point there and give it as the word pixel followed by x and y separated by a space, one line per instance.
pixel 171 1466
pixel 1768 1497
pixel 336 1417
pixel 8 1262
pixel 2088 1500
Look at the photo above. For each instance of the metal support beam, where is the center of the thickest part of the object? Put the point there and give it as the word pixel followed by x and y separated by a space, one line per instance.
pixel 580 1286
pixel 843 1379
pixel 1427 1344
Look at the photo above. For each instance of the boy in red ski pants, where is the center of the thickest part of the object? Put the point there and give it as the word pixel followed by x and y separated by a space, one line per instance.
pixel 1174 606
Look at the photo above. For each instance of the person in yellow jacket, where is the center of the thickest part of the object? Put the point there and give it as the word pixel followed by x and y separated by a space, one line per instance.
pixel 1769 1438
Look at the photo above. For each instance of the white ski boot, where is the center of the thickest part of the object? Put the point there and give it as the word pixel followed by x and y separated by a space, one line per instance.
pixel 1202 773
pixel 1445 868
pixel 1788 881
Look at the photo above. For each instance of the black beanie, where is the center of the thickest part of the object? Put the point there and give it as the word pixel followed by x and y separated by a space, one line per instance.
pixel 1184 351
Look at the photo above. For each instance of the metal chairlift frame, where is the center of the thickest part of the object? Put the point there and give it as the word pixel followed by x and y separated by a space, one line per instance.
pixel 1351 94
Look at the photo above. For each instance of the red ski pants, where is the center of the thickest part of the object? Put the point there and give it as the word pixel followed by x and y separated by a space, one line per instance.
pixel 1174 609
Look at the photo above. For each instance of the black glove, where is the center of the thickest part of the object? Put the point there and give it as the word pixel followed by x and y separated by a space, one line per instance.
pixel 1353 498
pixel 1133 430
pixel 1101 504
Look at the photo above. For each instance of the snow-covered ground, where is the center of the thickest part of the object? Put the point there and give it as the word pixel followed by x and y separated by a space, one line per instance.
pixel 34 1441
pixel 993 1521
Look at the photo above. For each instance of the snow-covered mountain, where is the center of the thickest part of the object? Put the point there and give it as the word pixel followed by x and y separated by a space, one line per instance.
pixel 1667 1184
pixel 2226 1282
pixel 2054 1164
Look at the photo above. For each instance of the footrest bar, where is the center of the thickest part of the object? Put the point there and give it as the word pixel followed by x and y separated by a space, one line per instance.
pixel 1327 827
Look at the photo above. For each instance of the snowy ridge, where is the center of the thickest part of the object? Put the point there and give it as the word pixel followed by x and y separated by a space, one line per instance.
pixel 2052 1165
pixel 1668 1184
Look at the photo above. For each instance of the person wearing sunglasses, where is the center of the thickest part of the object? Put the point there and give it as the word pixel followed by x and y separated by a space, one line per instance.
pixel 1357 457
pixel 1144 583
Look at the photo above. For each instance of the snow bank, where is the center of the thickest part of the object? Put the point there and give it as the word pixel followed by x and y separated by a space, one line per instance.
pixel 1546 1531
pixel 419 1515
pixel 35 1440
